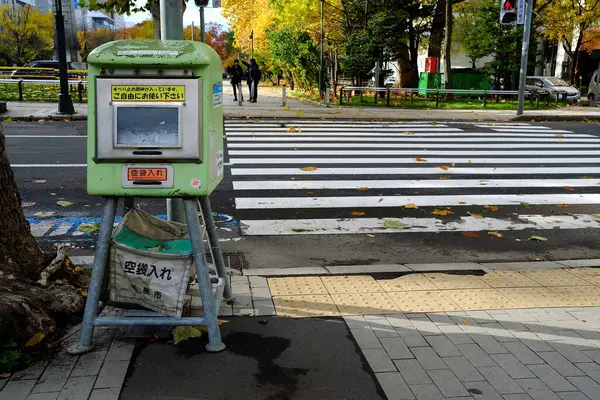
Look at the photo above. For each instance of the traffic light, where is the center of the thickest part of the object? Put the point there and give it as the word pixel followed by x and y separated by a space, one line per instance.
pixel 201 3
pixel 507 12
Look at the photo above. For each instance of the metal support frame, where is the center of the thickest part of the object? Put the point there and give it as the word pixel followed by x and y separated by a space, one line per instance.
pixel 524 55
pixel 211 303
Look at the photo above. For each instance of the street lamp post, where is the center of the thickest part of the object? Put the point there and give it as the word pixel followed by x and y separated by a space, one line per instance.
pixel 65 103
pixel 251 37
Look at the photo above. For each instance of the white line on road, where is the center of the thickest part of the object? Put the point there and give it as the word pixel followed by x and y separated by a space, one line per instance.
pixel 413 184
pixel 389 138
pixel 465 140
pixel 369 133
pixel 45 136
pixel 414 225
pixel 557 160
pixel 261 203
pixel 417 171
pixel 522 129
pixel 250 128
pixel 413 152
pixel 62 229
pixel 48 165
pixel 467 144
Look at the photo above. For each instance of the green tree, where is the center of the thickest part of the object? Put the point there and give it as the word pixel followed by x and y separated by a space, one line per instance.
pixel 297 56
pixel 474 37
pixel 25 35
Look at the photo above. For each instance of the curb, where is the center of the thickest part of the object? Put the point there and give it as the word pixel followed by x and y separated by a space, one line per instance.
pixel 398 268
pixel 557 118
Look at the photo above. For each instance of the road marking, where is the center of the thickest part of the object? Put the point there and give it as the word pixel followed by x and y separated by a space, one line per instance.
pixel 466 140
pixel 430 160
pixel 413 152
pixel 355 129
pixel 40 229
pixel 262 203
pixel 61 229
pixel 48 165
pixel 468 144
pixel 45 136
pixel 529 130
pixel 389 138
pixel 417 171
pixel 414 225
pixel 412 184
pixel 369 133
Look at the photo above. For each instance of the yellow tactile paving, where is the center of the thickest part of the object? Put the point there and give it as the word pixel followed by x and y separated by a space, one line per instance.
pixel 300 285
pixel 351 284
pixel 533 297
pixel 435 292
pixel 479 299
pixel 578 296
pixel 310 305
pixel 423 301
pixel 452 281
pixel 502 279
pixel 591 275
pixel 407 282
pixel 365 303
pixel 554 277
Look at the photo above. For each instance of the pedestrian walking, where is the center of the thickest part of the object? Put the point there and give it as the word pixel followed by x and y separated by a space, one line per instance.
pixel 236 73
pixel 253 79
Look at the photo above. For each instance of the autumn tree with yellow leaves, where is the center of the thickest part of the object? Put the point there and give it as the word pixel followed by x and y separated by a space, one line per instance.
pixel 25 34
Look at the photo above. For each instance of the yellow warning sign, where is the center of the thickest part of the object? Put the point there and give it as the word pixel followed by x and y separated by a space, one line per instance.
pixel 147 93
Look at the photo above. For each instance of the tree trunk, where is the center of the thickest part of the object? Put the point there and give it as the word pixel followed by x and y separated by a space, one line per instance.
pixel 437 30
pixel 19 252
pixel 408 73
pixel 448 48
pixel 28 307
pixel 154 8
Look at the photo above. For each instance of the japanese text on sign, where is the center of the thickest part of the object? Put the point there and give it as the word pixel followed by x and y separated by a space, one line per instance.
pixel 147 174
pixel 163 93
pixel 144 269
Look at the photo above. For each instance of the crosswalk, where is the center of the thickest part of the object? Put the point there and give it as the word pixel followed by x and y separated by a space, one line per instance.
pixel 344 177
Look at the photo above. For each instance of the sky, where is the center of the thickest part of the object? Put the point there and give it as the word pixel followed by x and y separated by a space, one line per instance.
pixel 191 14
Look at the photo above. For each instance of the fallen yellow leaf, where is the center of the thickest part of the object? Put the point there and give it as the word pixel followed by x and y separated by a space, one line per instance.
pixel 478 216
pixel 28 204
pixel 444 177
pixel 369 235
pixel 559 135
pixel 411 206
pixel 409 133
pixel 310 168
pixel 469 161
pixel 357 213
pixel 362 189
pixel 470 234
pixel 491 208
pixel 287 107
pixel 35 339
pixel 292 129
pixel 84 293
pixel 444 167
pixel 454 164
pixel 568 188
pixel 538 238
pixel 298 113
pixel 462 202
pixel 442 212
pixel 420 159
pixel 562 205
pixel 497 234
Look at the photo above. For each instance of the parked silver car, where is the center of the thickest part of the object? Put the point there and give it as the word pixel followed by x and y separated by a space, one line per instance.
pixel 555 87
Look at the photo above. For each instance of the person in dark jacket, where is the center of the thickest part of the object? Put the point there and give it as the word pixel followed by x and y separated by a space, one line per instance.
pixel 236 73
pixel 253 79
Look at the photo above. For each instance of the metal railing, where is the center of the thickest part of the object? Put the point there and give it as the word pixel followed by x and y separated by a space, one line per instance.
pixel 40 73
pixel 409 94
pixel 74 86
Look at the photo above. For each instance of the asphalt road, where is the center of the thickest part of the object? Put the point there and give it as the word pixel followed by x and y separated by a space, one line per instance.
pixel 312 193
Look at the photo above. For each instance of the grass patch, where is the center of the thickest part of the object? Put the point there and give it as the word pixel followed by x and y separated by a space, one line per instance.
pixel 458 103
pixel 37 92
pixel 11 357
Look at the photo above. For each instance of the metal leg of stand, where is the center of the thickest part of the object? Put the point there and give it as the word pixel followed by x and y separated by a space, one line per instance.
pixel 213 239
pixel 215 344
pixel 86 335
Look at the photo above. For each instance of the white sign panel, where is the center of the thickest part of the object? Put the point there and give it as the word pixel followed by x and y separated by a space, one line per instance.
pixel 520 12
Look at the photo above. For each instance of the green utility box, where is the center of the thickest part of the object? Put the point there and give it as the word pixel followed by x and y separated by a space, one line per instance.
pixel 155 119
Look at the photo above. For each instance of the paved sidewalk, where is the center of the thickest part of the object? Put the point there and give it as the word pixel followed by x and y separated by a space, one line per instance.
pixel 480 333
pixel 270 105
